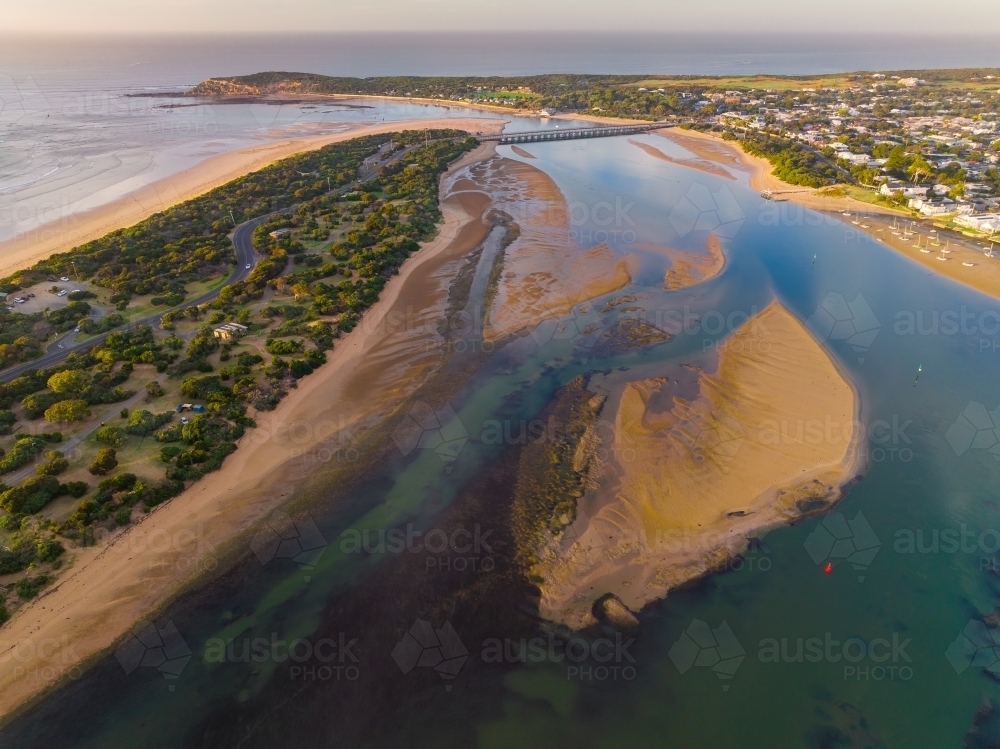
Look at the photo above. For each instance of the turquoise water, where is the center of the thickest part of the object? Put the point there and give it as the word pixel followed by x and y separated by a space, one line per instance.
pixel 914 480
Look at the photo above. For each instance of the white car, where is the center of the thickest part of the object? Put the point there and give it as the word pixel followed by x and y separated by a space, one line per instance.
pixel 64 278
pixel 248 266
pixel 62 293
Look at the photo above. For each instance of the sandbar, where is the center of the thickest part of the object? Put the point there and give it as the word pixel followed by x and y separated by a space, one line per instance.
pixel 545 274
pixel 701 165
pixel 689 481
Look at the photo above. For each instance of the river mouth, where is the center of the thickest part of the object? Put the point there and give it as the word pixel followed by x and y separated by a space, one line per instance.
pixel 416 622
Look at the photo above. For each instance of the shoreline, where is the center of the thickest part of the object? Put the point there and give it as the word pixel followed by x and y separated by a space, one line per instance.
pixel 106 590
pixel 71 231
pixel 983 276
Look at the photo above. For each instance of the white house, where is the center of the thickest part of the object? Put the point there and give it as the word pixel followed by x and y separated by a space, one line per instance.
pixel 856 158
pixel 901 188
pixel 988 222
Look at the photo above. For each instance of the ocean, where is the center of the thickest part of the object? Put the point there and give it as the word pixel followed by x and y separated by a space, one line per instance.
pixel 72 138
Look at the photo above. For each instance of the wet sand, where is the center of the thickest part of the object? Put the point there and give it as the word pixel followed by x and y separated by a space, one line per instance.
pixel 109 588
pixel 545 274
pixel 59 236
pixel 701 165
pixel 713 148
pixel 947 257
pixel 939 253
pixel 690 480
pixel 689 268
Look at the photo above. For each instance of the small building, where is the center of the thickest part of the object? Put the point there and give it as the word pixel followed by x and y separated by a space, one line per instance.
pixel 230 331
pixel 988 222
pixel 901 188
pixel 933 207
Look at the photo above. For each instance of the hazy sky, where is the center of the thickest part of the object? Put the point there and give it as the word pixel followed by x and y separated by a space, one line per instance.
pixel 900 16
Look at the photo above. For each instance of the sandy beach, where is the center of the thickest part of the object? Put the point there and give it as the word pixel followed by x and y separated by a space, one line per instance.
pixel 714 149
pixel 690 480
pixel 59 236
pixel 109 588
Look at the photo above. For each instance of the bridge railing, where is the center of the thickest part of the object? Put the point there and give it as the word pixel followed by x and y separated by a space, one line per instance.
pixel 571 133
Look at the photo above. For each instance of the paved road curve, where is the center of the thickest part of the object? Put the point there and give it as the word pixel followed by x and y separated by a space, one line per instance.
pixel 60 348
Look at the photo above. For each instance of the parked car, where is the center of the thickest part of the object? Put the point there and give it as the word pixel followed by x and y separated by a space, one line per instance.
pixel 62 293
pixel 64 278
pixel 31 296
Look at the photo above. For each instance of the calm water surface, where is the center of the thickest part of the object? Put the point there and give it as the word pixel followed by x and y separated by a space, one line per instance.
pixel 903 694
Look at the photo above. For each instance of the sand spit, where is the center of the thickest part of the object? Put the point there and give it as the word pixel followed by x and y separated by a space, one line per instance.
pixel 65 234
pixel 545 273
pixel 111 587
pixel 522 153
pixel 701 165
pixel 690 481
pixel 690 268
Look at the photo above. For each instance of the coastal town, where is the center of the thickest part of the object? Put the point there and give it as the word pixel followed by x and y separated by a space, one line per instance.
pixel 926 141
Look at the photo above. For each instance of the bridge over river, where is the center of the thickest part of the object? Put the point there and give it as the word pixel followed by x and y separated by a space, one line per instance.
pixel 598 131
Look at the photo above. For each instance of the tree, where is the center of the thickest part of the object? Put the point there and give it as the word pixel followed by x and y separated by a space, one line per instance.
pixel 113 436
pixel 140 422
pixel 55 463
pixel 153 390
pixel 67 411
pixel 69 381
pixel 919 169
pixel 105 461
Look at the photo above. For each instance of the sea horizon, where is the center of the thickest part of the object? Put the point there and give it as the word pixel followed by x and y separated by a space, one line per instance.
pixel 186 59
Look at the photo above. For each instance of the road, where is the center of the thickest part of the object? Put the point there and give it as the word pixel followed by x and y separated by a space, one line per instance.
pixel 63 346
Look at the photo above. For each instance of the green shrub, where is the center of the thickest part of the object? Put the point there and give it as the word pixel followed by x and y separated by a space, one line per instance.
pixel 55 463
pixel 105 461
pixel 111 435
